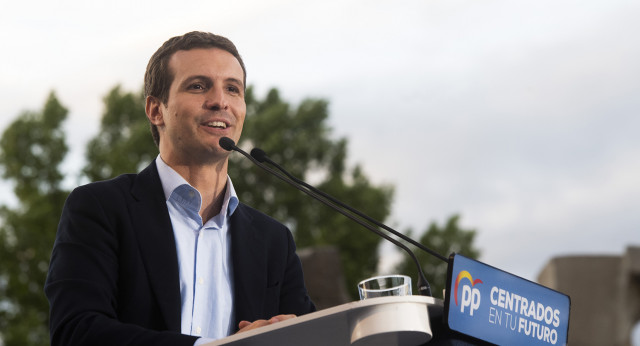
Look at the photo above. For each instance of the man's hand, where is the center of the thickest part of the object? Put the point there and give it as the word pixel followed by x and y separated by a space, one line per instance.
pixel 246 325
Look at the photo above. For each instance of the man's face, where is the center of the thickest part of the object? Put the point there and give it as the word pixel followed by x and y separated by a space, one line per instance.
pixel 206 103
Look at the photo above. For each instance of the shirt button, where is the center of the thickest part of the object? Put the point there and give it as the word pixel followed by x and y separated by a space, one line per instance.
pixel 191 193
pixel 200 281
pixel 198 330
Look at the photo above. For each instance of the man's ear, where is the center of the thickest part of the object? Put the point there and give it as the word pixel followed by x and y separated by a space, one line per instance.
pixel 153 108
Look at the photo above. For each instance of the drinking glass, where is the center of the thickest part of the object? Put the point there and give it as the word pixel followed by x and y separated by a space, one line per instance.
pixel 385 285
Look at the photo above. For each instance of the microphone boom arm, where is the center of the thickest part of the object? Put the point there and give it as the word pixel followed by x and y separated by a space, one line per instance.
pixel 260 155
pixel 423 284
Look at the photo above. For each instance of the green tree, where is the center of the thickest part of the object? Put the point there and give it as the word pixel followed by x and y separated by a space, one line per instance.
pixel 123 144
pixel 31 151
pixel 443 240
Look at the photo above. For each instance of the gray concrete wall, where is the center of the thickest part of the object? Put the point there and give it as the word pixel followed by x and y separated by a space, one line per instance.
pixel 605 295
pixel 323 276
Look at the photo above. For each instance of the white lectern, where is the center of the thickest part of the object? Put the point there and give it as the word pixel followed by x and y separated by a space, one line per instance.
pixel 388 321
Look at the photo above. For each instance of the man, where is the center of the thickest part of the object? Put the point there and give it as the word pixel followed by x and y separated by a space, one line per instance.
pixel 168 255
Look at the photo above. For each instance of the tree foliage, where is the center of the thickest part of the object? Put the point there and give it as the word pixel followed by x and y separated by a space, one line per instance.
pixel 123 144
pixel 31 151
pixel 443 240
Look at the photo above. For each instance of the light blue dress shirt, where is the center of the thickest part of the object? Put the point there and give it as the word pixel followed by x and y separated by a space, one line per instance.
pixel 204 257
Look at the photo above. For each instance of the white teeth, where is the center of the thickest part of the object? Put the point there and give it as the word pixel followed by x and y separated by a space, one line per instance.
pixel 219 124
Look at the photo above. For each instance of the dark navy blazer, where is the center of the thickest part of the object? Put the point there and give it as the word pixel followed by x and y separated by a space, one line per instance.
pixel 113 277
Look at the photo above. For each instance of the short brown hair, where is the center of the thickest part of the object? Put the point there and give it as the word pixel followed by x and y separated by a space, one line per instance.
pixel 158 77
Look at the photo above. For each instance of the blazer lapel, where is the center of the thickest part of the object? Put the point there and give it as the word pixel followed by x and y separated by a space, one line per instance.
pixel 157 244
pixel 249 266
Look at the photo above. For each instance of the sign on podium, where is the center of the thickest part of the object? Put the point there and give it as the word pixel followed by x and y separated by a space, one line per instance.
pixel 495 306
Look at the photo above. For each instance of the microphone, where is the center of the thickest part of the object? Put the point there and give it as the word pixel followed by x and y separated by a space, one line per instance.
pixel 228 144
pixel 262 157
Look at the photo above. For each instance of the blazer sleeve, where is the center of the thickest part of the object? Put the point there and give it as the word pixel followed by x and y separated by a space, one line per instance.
pixel 268 278
pixel 294 298
pixel 82 283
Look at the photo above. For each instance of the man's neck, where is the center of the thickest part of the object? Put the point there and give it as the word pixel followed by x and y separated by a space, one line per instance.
pixel 210 180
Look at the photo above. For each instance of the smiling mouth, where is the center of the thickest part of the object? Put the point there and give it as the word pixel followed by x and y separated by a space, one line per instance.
pixel 217 125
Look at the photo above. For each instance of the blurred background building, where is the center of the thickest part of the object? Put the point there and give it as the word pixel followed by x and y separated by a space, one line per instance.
pixel 605 295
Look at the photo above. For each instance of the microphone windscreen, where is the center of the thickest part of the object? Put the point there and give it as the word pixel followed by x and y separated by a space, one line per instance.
pixel 259 154
pixel 227 143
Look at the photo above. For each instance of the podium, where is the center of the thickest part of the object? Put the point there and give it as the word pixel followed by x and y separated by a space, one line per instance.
pixel 388 321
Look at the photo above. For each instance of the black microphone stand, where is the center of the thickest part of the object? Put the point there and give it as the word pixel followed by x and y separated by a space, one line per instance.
pixel 423 285
pixel 261 156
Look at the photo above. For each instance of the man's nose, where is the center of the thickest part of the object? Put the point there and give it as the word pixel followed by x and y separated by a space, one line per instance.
pixel 216 99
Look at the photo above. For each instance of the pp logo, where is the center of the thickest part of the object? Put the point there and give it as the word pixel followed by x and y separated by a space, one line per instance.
pixel 470 295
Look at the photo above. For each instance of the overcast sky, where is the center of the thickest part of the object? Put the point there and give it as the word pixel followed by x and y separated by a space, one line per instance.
pixel 522 116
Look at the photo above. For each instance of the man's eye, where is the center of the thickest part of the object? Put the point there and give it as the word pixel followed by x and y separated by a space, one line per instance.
pixel 196 86
pixel 233 89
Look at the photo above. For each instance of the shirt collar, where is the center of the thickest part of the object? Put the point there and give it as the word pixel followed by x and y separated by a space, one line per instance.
pixel 171 180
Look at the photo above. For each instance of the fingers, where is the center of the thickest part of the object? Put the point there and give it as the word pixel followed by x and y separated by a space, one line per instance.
pixel 246 325
pixel 243 324
pixel 280 318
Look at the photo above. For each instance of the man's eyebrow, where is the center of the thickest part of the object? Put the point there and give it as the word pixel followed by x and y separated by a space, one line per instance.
pixel 197 77
pixel 236 81
pixel 210 81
